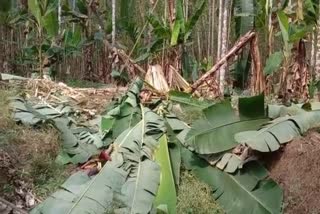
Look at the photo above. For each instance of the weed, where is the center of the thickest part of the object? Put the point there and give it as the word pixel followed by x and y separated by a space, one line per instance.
pixel 84 84
pixel 187 113
pixel 195 197
pixel 47 175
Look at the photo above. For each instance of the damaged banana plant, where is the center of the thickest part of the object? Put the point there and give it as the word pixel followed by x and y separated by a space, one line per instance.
pixel 79 142
pixel 126 184
pixel 124 114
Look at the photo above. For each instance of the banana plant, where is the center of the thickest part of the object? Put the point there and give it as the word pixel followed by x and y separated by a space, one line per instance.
pixel 45 20
pixel 245 19
pixel 172 37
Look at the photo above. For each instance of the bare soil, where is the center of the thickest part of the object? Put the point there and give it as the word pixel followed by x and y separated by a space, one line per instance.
pixel 296 168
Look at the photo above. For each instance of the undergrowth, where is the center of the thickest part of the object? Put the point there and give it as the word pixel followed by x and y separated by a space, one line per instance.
pixel 76 83
pixel 195 197
pixel 32 152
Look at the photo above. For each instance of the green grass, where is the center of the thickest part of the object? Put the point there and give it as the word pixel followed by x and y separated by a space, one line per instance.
pixel 195 197
pixel 47 175
pixel 85 84
pixel 187 113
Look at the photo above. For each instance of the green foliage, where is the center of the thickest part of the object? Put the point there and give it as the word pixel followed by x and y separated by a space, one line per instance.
pixel 277 132
pixel 244 14
pixel 196 197
pixel 124 114
pixel 166 195
pixel 246 191
pixel 214 133
pixel 127 20
pixel 187 99
pixel 273 63
pixel 79 144
pixel 178 35
pixel 35 8
pixel 131 173
pixel 5 6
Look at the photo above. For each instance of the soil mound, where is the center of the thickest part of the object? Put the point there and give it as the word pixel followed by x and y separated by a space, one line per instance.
pixel 297 170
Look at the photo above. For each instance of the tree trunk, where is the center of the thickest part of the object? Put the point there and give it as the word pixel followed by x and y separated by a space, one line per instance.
pixel 317 70
pixel 220 28
pixel 210 32
pixel 59 16
pixel 224 45
pixel 270 27
pixel 113 22
pixel 213 29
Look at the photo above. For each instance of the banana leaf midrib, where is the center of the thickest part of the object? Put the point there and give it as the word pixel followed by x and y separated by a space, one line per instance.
pixel 139 163
pixel 221 126
pixel 250 193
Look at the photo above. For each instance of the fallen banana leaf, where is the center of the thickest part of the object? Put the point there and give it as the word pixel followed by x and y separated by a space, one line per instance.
pixel 215 132
pixel 276 111
pixel 75 148
pixel 175 123
pixel 246 191
pixel 125 114
pixel 279 131
pixel 33 114
pixel 166 195
pixel 187 99
pixel 127 184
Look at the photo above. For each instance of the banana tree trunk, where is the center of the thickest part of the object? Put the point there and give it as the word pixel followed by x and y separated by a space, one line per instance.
pixel 313 50
pixel 171 6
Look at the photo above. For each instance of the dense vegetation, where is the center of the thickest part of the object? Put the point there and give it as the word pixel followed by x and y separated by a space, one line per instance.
pixel 209 88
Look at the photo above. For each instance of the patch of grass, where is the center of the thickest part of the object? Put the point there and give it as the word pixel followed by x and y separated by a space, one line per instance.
pixel 84 84
pixel 33 152
pixel 195 197
pixel 187 113
pixel 5 117
pixel 47 175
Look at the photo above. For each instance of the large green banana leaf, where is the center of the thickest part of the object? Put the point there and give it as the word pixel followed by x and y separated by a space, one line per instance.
pixel 174 127
pixel 124 114
pixel 215 132
pixel 131 179
pixel 279 131
pixel 166 195
pixel 246 191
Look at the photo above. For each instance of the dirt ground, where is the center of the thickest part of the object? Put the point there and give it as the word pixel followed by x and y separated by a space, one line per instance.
pixel 297 170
